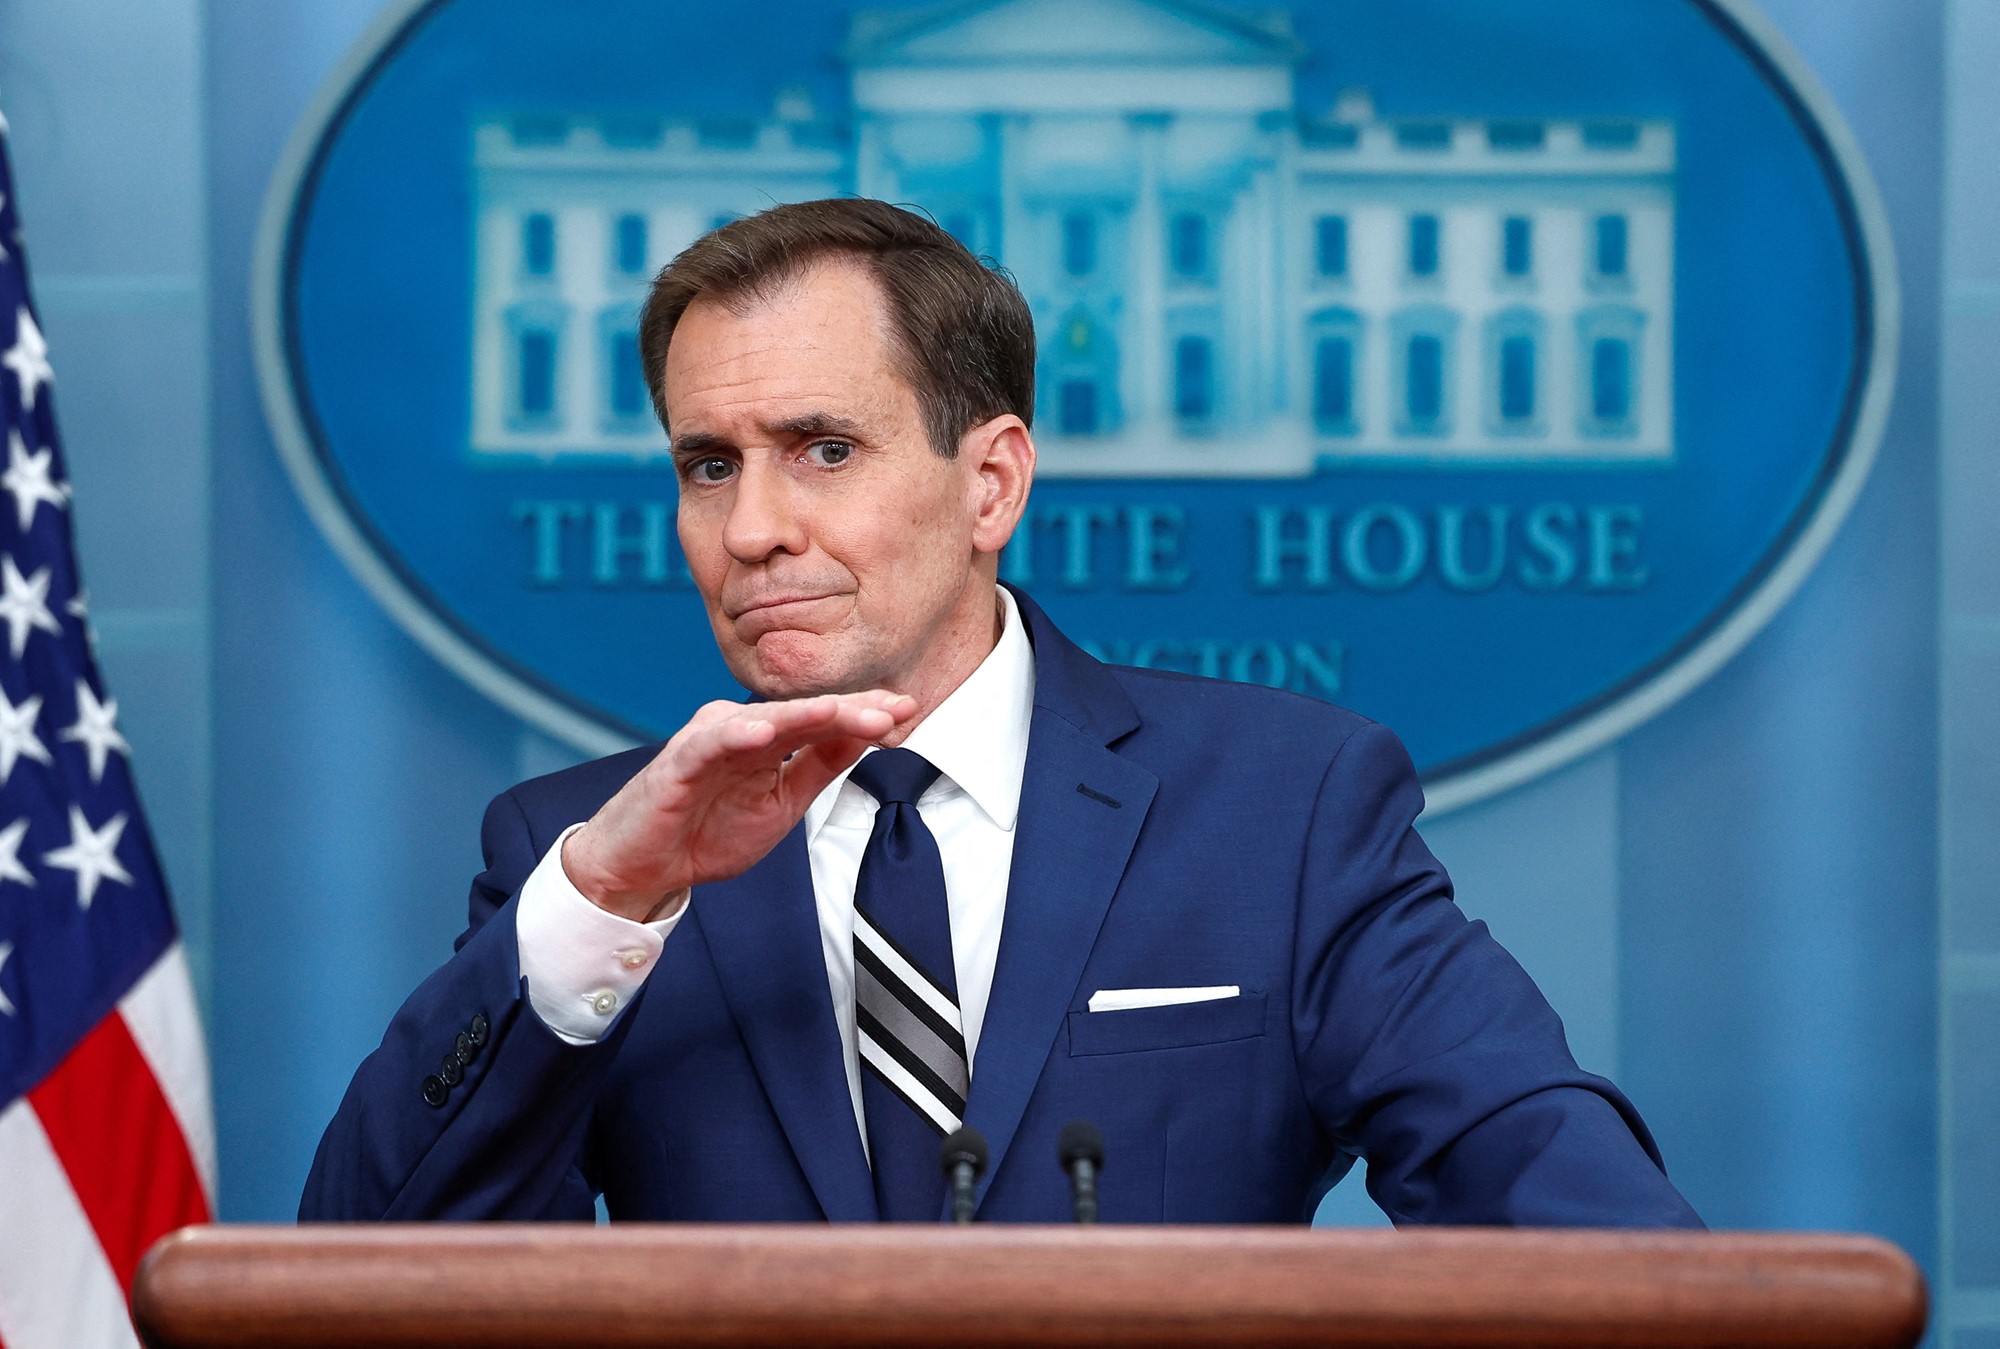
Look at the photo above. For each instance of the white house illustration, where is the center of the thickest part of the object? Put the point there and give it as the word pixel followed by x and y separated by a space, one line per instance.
pixel 1224 284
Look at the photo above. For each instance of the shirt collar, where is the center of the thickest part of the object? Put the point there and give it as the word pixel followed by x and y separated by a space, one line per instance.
pixel 978 736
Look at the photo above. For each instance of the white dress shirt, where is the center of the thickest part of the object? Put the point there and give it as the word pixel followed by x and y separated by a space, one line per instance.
pixel 583 963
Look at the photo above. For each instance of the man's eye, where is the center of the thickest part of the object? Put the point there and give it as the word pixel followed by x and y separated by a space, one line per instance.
pixel 711 470
pixel 830 452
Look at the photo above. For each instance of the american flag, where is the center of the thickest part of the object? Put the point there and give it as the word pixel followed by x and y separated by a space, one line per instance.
pixel 106 1140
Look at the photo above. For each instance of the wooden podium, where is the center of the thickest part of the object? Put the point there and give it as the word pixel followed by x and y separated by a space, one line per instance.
pixel 502 1286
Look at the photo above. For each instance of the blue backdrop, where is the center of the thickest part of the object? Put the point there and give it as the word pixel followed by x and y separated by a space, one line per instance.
pixel 1736 908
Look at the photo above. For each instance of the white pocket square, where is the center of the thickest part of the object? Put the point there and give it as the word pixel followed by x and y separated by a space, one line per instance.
pixel 1130 999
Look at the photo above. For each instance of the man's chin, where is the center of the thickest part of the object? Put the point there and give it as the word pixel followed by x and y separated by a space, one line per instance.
pixel 786 665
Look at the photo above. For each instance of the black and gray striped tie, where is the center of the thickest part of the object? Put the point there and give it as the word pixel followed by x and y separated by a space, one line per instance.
pixel 912 1042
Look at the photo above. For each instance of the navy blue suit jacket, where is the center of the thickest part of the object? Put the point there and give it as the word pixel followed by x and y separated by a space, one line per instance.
pixel 1173 832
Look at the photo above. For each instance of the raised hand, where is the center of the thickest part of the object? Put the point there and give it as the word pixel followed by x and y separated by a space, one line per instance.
pixel 720 795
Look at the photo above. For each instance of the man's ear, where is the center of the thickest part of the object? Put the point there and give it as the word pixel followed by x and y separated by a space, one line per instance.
pixel 999 456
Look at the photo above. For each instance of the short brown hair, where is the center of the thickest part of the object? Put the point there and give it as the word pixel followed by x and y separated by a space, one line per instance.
pixel 962 334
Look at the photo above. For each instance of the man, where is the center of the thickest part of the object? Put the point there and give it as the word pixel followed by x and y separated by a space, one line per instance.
pixel 752 974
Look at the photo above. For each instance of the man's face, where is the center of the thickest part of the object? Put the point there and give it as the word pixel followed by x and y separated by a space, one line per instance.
pixel 835 550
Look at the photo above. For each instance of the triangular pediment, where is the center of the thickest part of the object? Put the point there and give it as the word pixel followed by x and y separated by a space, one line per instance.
pixel 1120 32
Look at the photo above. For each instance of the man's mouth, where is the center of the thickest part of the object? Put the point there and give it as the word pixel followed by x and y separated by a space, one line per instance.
pixel 774 602
pixel 770 613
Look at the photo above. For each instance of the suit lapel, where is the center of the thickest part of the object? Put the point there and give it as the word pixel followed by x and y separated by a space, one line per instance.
pixel 762 929
pixel 1082 807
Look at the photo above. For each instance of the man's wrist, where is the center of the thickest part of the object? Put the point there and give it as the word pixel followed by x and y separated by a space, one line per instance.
pixel 605 892
pixel 583 964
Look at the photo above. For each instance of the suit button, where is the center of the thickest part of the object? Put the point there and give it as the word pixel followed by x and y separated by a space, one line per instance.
pixel 435 1090
pixel 461 1049
pixel 451 1070
pixel 477 1030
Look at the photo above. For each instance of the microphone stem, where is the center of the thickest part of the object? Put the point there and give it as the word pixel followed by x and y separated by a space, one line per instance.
pixel 1084 1179
pixel 964 1183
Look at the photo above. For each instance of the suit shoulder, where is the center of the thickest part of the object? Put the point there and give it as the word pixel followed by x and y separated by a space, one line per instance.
pixel 578 791
pixel 1226 703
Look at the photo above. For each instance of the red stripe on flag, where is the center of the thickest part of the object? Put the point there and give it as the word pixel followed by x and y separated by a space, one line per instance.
pixel 113 1132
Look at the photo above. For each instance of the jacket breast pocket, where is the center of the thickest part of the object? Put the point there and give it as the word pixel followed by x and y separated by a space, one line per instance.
pixel 1178 1027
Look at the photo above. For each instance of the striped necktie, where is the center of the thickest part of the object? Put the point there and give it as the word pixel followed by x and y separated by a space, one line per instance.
pixel 914 1073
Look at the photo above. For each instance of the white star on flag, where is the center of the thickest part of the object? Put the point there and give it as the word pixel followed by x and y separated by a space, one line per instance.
pixel 78 608
pixel 27 477
pixel 78 1205
pixel 24 604
pixel 96 729
pixel 92 854
pixel 10 854
pixel 18 740
pixel 28 358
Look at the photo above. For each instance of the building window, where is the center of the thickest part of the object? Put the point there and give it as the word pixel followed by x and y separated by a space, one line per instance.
pixel 1334 339
pixel 1610 379
pixel 1333 385
pixel 1423 245
pixel 540 130
pixel 1422 342
pixel 630 244
pixel 631 133
pixel 1189 251
pixel 1079 243
pixel 1611 135
pixel 1076 407
pixel 535 374
pixel 628 397
pixel 1330 245
pixel 1517 378
pixel 1078 376
pixel 1517 246
pixel 1194 378
pixel 1515 135
pixel 1424 379
pixel 538 244
pixel 1609 254
pixel 1608 343
pixel 1513 356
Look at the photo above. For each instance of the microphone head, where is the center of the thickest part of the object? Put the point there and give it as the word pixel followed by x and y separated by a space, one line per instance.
pixel 1080 1142
pixel 966 1146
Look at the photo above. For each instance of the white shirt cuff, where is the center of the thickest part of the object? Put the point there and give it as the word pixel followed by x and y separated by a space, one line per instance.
pixel 582 963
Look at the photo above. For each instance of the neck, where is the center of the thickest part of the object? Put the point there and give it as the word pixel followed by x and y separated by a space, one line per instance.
pixel 963 642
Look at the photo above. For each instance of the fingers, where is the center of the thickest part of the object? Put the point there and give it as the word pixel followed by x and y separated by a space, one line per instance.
pixel 766 733
pixel 875 710
pixel 807 773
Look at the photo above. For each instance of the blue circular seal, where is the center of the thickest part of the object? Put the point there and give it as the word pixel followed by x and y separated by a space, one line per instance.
pixel 1496 370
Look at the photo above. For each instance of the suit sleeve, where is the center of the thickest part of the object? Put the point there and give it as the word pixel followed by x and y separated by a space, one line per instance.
pixel 471 1107
pixel 1425 1049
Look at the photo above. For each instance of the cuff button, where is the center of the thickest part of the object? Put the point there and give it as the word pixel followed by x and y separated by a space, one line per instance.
pixel 461 1049
pixel 478 1029
pixel 435 1090
pixel 451 1071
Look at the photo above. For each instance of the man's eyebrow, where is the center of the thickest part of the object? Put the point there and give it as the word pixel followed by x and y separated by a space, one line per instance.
pixel 802 427
pixel 697 443
pixel 808 424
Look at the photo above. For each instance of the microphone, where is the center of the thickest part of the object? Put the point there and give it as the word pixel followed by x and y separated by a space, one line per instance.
pixel 1080 1149
pixel 964 1161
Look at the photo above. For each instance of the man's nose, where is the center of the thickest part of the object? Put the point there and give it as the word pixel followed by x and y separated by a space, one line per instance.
pixel 763 515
